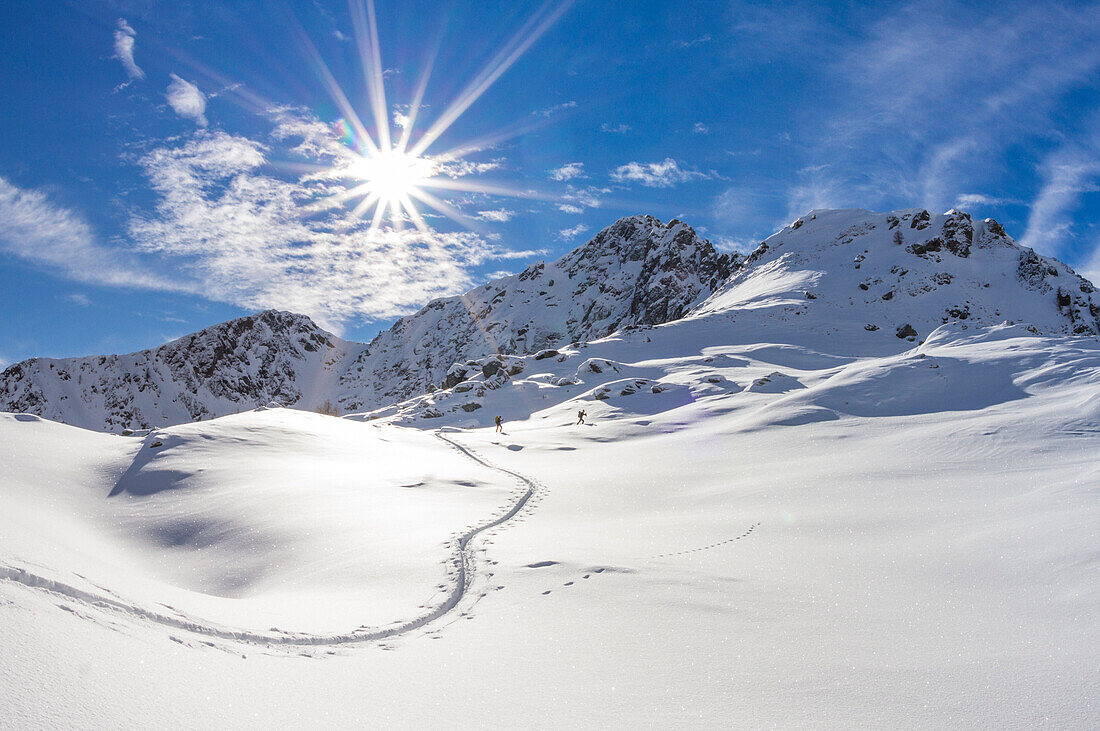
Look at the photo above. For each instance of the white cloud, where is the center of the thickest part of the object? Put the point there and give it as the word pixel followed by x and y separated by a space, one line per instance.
pixel 965 201
pixel 568 234
pixel 124 50
pixel 575 200
pixel 549 111
pixel 615 129
pixel 931 126
pixel 729 244
pixel 700 129
pixel 460 168
pixel 79 299
pixel 663 174
pixel 257 240
pixel 37 230
pixel 187 101
pixel 568 171
pixel 499 215
pixel 1067 174
pixel 231 228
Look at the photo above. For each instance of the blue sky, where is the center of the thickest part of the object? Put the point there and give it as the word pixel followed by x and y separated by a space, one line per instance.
pixel 168 165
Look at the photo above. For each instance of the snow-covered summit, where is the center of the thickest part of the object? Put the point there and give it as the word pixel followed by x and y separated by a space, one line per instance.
pixel 637 271
pixel 902 274
pixel 271 356
pixel 839 281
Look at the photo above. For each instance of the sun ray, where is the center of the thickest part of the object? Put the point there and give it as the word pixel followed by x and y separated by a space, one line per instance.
pixel 365 24
pixel 445 208
pixel 477 187
pixel 379 212
pixel 538 24
pixel 488 141
pixel 365 204
pixel 417 100
pixel 414 214
pixel 391 177
pixel 337 94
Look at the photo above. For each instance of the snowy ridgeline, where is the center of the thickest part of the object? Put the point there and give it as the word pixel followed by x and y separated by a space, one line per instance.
pixel 851 283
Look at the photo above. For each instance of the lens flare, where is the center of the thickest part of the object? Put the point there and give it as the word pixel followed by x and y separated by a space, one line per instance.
pixel 392 174
pixel 388 175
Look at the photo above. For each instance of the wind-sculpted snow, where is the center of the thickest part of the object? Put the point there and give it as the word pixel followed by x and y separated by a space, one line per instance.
pixel 462 561
pixel 811 531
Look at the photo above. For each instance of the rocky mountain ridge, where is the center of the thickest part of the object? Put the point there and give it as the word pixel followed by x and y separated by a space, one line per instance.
pixel 636 271
pixel 850 280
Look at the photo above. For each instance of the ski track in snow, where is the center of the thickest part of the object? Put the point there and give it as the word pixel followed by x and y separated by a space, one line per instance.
pixel 462 560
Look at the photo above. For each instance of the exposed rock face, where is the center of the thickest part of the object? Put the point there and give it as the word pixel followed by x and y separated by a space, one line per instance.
pixel 866 277
pixel 237 365
pixel 903 272
pixel 638 271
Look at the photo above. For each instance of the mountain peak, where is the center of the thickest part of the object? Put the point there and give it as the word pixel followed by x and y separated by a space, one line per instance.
pixel 866 281
pixel 904 273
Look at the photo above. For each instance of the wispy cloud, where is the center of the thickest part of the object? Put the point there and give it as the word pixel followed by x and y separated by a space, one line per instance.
pixel 568 171
pixel 814 187
pixel 256 239
pixel 187 101
pixel 1067 174
pixel 37 230
pixel 730 244
pixel 549 111
pixel 615 129
pixel 966 201
pixel 700 129
pixel 922 112
pixel 575 199
pixel 693 42
pixel 124 49
pixel 458 168
pixel 1010 88
pixel 568 234
pixel 499 215
pixel 663 174
pixel 79 299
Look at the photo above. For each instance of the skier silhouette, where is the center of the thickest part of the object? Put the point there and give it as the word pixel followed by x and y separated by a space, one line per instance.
pixel 500 423
pixel 580 416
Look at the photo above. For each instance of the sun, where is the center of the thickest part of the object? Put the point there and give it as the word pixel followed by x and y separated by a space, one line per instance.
pixel 389 169
pixel 391 178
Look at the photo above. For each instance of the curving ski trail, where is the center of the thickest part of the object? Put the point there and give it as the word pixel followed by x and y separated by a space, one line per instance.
pixel 462 559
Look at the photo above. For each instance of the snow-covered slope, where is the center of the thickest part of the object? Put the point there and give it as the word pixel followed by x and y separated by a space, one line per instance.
pixel 743 534
pixel 771 516
pixel 872 283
